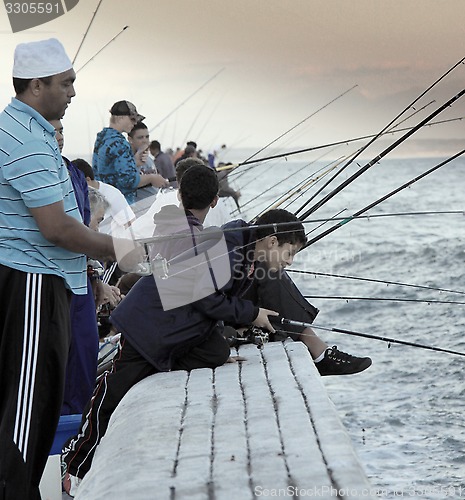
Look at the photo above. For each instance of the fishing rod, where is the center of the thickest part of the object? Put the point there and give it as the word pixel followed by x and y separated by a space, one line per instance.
pixel 375 160
pixel 299 190
pixel 197 116
pixel 87 31
pixel 383 198
pixel 389 340
pixel 383 299
pixel 187 99
pixel 315 207
pixel 371 280
pixel 233 166
pixel 104 47
pixel 295 126
pixel 311 178
pixel 209 117
pixel 393 214
pixel 374 216
pixel 338 143
pixel 215 232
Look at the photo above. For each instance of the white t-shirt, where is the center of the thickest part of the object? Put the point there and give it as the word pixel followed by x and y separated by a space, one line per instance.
pixel 118 212
pixel 143 226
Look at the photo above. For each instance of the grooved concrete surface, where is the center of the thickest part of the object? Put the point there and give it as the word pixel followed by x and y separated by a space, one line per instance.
pixel 264 427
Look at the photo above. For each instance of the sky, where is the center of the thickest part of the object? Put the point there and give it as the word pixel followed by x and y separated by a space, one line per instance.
pixel 245 72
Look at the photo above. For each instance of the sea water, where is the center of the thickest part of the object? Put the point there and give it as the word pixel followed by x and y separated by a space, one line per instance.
pixel 406 413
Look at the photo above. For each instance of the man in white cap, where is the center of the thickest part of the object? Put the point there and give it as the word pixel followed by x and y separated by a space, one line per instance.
pixel 113 160
pixel 42 261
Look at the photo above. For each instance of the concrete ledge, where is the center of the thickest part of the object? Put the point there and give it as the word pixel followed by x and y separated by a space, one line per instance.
pixel 233 432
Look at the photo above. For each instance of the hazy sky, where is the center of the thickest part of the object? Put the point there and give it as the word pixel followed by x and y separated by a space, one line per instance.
pixel 281 61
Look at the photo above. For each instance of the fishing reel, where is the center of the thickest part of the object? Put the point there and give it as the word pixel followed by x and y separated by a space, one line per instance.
pixel 94 269
pixel 159 267
pixel 252 335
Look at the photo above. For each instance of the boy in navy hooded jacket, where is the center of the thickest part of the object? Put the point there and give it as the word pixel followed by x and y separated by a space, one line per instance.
pixel 183 337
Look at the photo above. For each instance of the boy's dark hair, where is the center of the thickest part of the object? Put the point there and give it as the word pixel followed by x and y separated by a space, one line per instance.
pixel 84 167
pixel 137 126
pixel 192 143
pixel 185 164
pixel 288 229
pixel 198 187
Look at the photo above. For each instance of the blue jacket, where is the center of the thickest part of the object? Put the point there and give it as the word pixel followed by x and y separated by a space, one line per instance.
pixel 162 336
pixel 113 162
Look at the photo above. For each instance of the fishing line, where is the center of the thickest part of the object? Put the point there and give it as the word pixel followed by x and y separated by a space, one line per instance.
pixel 380 200
pixel 371 280
pixel 197 116
pixel 187 99
pixel 299 186
pixel 385 299
pixel 209 117
pixel 298 124
pixel 104 47
pixel 389 340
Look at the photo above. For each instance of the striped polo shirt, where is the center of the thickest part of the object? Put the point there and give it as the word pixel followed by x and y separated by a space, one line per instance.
pixel 32 175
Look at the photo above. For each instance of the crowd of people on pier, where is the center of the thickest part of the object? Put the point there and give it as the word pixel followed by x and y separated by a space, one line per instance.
pixel 53 257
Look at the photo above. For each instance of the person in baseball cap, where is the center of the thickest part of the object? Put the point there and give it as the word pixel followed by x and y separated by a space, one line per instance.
pixel 126 108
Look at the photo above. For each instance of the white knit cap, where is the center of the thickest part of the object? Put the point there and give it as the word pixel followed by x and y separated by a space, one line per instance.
pixel 40 59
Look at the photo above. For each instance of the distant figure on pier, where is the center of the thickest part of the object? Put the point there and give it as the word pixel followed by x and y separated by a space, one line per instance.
pixel 225 189
pixel 213 155
pixel 189 152
pixel 163 163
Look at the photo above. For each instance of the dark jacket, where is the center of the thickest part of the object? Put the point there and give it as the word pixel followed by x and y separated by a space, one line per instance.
pixel 275 290
pixel 161 336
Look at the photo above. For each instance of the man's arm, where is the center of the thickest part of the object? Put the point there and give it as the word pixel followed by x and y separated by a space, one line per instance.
pixel 66 232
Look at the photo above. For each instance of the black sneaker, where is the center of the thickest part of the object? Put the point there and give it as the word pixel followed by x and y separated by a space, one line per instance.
pixel 337 362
